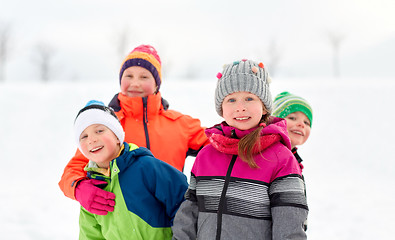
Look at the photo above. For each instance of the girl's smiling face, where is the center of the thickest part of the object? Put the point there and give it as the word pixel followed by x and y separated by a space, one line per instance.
pixel 137 82
pixel 298 126
pixel 242 110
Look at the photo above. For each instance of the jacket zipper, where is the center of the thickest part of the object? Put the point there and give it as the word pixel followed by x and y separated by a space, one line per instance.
pixel 145 122
pixel 221 205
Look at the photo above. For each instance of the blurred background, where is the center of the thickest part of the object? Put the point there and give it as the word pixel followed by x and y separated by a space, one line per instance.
pixel 338 55
pixel 70 40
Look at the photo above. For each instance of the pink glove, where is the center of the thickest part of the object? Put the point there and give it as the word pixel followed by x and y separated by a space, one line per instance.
pixel 93 198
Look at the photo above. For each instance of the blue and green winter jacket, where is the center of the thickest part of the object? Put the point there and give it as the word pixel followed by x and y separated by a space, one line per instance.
pixel 148 194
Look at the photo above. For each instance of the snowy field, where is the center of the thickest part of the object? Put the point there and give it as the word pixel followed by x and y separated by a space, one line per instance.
pixel 349 159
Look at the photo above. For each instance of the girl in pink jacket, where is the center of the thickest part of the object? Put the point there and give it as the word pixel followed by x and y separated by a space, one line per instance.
pixel 247 183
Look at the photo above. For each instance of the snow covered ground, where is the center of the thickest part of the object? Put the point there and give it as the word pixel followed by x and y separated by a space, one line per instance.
pixel 349 159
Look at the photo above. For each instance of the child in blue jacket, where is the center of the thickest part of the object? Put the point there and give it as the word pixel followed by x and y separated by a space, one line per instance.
pixel 148 191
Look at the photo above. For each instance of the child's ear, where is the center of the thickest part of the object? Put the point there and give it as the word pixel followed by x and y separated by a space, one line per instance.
pixel 264 111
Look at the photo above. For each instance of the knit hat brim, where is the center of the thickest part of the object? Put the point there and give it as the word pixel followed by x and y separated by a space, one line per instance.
pixel 286 103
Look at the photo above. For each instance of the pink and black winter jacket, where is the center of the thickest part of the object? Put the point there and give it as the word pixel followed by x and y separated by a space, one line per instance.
pixel 227 199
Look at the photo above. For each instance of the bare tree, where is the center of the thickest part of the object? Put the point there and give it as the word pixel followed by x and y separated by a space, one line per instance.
pixel 122 42
pixel 274 55
pixel 5 34
pixel 165 56
pixel 44 54
pixel 271 56
pixel 123 39
pixel 336 39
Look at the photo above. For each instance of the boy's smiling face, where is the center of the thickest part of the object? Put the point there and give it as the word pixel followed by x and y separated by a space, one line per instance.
pixel 137 82
pixel 298 126
pixel 99 144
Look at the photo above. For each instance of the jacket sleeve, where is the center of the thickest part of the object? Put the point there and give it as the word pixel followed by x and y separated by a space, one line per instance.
pixel 288 203
pixel 197 137
pixel 185 221
pixel 170 186
pixel 73 172
pixel 89 227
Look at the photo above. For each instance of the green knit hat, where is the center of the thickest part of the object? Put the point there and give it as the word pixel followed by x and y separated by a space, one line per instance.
pixel 286 103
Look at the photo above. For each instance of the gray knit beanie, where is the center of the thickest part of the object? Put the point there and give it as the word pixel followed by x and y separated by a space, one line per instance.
pixel 243 76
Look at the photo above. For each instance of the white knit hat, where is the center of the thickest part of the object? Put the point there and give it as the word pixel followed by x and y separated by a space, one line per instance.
pixel 243 76
pixel 95 112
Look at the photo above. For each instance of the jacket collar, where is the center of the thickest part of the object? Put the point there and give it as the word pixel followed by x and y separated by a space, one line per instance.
pixel 136 107
pixel 275 126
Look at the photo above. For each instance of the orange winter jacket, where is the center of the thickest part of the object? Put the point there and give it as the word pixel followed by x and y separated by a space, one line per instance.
pixel 170 135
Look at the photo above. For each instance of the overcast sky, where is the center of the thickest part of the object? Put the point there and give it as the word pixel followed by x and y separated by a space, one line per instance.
pixel 195 38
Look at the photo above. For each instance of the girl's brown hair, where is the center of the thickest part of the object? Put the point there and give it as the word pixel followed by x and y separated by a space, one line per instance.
pixel 248 142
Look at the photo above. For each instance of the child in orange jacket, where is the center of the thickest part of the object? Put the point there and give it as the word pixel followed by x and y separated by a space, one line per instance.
pixel 147 121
